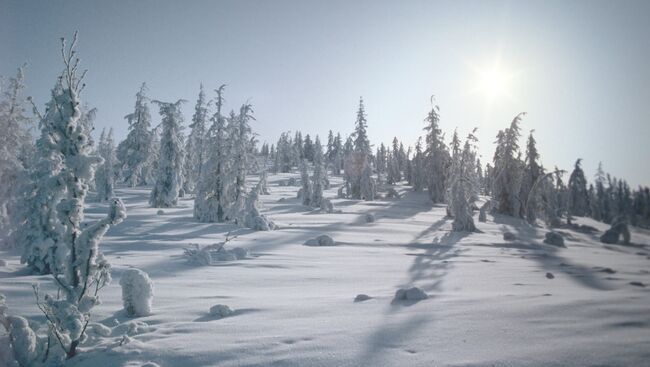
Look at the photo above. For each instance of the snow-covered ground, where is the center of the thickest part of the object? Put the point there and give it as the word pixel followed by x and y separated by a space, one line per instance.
pixel 491 302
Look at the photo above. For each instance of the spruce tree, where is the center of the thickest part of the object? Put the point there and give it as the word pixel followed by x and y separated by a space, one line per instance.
pixel 195 147
pixel 578 196
pixel 169 175
pixel 136 153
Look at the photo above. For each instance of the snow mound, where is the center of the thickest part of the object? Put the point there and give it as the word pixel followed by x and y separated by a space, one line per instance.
pixel 361 297
pixel 370 217
pixel 410 294
pixel 150 364
pixel 137 292
pixel 220 311
pixel 554 238
pixel 160 212
pixel 99 329
pixel 322 240
pixel 509 236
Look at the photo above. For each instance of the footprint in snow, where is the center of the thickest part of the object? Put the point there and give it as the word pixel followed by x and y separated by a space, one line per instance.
pixel 550 276
pixel 637 284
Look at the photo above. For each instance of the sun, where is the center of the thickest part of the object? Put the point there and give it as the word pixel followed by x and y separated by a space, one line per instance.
pixel 494 81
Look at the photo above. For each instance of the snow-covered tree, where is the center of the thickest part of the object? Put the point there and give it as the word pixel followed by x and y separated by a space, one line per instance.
pixel 532 173
pixel 508 170
pixel 418 171
pixel 195 147
pixel 358 170
pixel 78 267
pixel 105 176
pixel 137 152
pixel 463 185
pixel 319 180
pixel 578 196
pixel 437 156
pixel 306 190
pixel 360 135
pixel 16 153
pixel 169 179
pixel 239 137
pixel 210 202
pixel 284 154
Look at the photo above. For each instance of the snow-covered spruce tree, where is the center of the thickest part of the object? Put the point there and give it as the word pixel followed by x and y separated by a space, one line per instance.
pixel 358 170
pixel 305 193
pixel 16 154
pixel 418 178
pixel 39 234
pixel 394 165
pixel 337 157
pixel 578 196
pixel 308 148
pixel 195 147
pixel 437 156
pixel 319 180
pixel 79 268
pixel 211 202
pixel 298 152
pixel 508 170
pixel 462 185
pixel 136 152
pixel 239 137
pixel 532 173
pixel 105 176
pixel 166 190
pixel 367 185
pixel 381 162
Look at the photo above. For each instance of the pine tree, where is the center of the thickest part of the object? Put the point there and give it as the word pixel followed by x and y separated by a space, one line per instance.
pixel 239 132
pixel 170 167
pixel 358 171
pixel 137 152
pixel 105 176
pixel 195 147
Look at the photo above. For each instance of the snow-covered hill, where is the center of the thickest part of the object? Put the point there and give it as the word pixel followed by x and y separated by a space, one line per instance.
pixel 491 301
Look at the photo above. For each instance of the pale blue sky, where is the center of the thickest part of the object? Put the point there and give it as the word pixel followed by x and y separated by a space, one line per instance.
pixel 582 67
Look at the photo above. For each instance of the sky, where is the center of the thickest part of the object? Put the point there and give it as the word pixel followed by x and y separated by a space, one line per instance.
pixel 578 68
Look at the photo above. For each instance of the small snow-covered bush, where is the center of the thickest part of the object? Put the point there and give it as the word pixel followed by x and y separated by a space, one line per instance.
pixel 3 262
pixel 554 238
pixel 370 217
pixel 137 292
pixel 322 240
pixel 220 311
pixel 410 294
pixel 160 212
pixel 22 345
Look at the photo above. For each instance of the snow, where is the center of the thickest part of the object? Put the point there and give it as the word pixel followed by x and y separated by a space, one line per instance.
pixel 490 302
